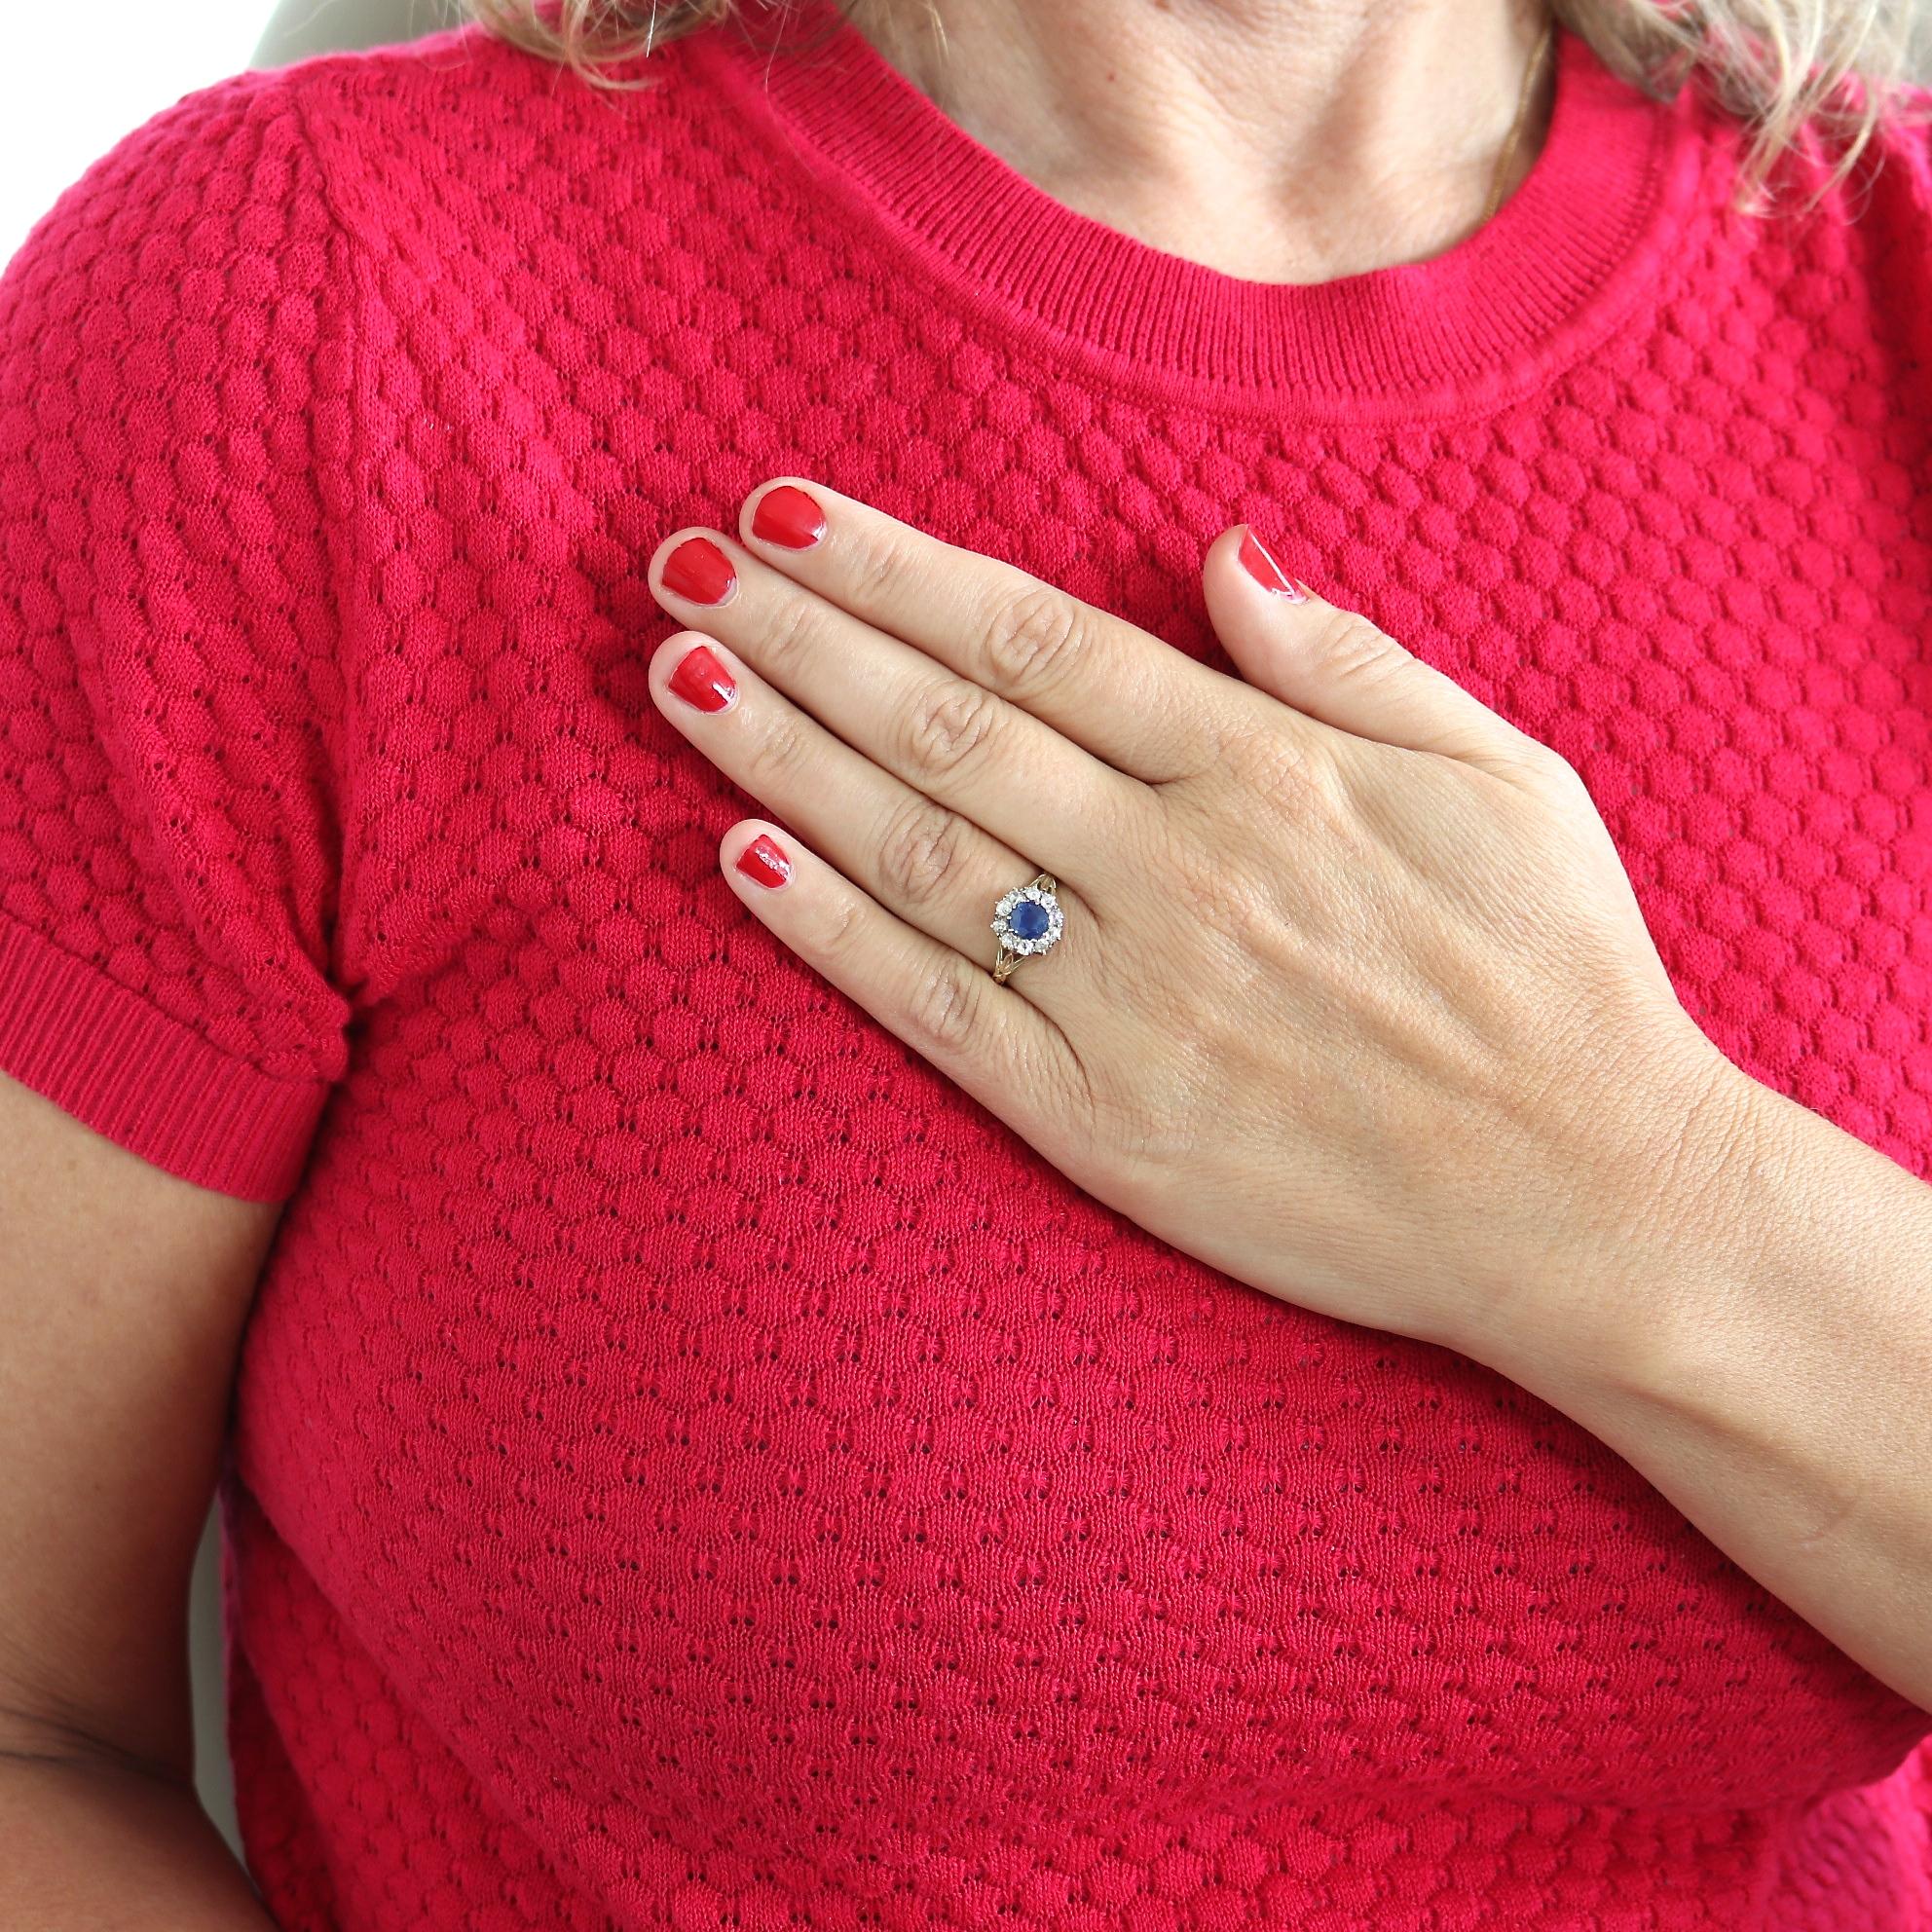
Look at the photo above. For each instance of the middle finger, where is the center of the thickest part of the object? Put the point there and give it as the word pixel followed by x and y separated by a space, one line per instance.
pixel 952 740
pixel 936 869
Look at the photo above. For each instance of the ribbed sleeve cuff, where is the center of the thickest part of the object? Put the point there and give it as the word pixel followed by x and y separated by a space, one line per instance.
pixel 146 1081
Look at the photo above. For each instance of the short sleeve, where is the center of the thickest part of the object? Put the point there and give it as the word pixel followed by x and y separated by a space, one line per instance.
pixel 173 372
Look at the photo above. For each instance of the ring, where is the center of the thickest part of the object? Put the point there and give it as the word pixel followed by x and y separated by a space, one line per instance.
pixel 1027 920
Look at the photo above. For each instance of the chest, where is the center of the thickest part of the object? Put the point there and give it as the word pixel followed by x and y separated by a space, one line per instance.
pixel 675 1352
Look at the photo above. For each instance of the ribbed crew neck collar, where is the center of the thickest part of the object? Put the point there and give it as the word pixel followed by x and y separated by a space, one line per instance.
pixel 1533 287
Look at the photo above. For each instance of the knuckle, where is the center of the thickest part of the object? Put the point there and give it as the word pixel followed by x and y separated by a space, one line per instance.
pixel 1350 647
pixel 1537 767
pixel 1291 774
pixel 920 851
pixel 878 564
pixel 841 927
pixel 1298 771
pixel 788 634
pixel 1551 767
pixel 1030 638
pixel 1208 898
pixel 943 1009
pixel 776 753
pixel 947 725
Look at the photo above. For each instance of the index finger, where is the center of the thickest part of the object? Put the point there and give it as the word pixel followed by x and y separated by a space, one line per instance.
pixel 1121 693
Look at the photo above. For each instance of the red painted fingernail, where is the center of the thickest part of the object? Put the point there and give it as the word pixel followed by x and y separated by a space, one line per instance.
pixel 701 680
pixel 788 516
pixel 765 860
pixel 1266 572
pixel 699 570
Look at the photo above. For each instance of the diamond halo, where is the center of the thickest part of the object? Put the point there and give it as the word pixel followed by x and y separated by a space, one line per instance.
pixel 1027 932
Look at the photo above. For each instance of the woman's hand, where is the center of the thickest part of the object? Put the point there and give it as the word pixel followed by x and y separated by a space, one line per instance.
pixel 1353 1000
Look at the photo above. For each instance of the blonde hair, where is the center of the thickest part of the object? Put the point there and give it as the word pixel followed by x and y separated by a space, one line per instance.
pixel 1786 68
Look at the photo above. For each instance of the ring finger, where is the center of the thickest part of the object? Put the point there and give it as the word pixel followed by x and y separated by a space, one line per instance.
pixel 945 736
pixel 935 869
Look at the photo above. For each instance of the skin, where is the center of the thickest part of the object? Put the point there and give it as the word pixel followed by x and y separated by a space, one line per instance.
pixel 123 1292
pixel 1353 1002
pixel 1769 1385
pixel 1282 140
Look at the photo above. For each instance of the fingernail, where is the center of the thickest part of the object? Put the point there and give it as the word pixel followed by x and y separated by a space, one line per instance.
pixel 787 515
pixel 699 570
pixel 764 860
pixel 1266 572
pixel 701 680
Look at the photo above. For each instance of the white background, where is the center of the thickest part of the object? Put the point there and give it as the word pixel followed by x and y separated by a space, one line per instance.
pixel 74 80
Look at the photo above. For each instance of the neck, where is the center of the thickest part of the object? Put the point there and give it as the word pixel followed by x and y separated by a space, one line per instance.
pixel 1280 140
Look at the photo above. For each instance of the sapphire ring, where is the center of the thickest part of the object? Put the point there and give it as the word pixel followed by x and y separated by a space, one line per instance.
pixel 1027 920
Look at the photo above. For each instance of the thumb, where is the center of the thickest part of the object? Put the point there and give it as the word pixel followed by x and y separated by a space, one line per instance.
pixel 1335 665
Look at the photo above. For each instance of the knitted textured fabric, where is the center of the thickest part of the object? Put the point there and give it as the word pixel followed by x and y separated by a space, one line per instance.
pixel 690 1466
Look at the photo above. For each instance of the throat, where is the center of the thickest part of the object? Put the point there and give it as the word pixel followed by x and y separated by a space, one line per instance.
pixel 1173 124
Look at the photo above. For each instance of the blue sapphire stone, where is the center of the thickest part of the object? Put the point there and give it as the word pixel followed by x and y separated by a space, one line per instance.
pixel 1027 919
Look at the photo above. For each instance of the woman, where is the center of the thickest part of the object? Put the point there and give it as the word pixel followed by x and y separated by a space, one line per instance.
pixel 1042 923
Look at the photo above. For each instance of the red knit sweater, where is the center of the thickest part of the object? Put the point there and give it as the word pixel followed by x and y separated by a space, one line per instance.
pixel 690 1466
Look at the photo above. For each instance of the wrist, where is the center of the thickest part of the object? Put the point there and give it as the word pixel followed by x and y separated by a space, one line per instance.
pixel 1668 1196
pixel 1757 1347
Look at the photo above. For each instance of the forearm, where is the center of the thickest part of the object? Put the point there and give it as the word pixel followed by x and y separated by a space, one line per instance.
pixel 1762 1354
pixel 101 1850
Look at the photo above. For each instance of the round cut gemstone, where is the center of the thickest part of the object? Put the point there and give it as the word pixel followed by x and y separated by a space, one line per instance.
pixel 1027 919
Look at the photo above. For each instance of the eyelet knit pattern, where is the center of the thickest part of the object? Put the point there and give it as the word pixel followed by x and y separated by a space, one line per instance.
pixel 690 1467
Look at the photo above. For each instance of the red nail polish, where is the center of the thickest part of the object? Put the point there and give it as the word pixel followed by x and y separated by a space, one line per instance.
pixel 699 570
pixel 788 516
pixel 701 680
pixel 764 860
pixel 1266 572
